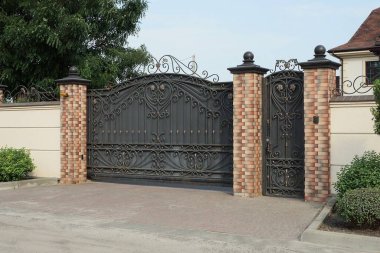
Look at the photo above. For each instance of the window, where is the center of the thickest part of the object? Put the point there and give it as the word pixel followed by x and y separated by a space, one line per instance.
pixel 372 70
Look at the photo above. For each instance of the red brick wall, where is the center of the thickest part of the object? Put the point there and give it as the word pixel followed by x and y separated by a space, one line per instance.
pixel 73 133
pixel 318 84
pixel 2 93
pixel 247 150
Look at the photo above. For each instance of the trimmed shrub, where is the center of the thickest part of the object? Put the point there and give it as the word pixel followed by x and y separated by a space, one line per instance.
pixel 360 207
pixel 15 164
pixel 363 172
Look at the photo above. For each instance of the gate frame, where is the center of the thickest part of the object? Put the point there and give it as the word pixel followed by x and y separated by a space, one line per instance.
pixel 319 81
pixel 73 100
pixel 247 123
pixel 319 84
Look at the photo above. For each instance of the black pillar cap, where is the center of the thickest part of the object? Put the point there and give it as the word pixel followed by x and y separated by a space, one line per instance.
pixel 319 60
pixel 73 78
pixel 248 66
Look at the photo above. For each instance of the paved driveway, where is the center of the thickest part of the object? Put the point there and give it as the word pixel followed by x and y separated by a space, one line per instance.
pixel 177 208
pixel 105 217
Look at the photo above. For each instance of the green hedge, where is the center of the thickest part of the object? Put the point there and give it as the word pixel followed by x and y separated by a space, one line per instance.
pixel 363 172
pixel 360 207
pixel 15 164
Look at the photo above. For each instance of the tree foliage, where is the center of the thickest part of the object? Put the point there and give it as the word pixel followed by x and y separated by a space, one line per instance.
pixel 40 39
pixel 376 110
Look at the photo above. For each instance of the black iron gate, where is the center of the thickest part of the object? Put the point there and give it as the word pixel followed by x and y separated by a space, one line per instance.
pixel 283 124
pixel 162 126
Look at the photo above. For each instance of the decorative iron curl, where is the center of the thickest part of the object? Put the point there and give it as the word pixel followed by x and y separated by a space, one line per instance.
pixel 360 85
pixel 281 65
pixel 170 64
pixel 23 94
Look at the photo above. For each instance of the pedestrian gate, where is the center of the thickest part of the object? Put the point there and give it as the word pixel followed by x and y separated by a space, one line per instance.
pixel 283 124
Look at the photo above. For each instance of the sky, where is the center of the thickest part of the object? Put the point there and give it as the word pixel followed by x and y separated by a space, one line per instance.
pixel 218 32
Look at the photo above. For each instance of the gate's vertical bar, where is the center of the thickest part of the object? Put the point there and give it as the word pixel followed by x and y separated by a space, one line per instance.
pixel 73 92
pixel 319 81
pixel 247 130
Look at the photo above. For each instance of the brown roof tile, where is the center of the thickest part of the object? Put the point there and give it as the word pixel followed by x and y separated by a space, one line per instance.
pixel 365 37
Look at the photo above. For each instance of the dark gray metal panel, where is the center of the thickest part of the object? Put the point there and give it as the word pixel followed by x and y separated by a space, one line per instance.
pixel 284 134
pixel 162 126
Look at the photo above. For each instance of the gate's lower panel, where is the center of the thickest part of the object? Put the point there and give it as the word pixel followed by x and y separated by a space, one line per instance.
pixel 285 177
pixel 200 163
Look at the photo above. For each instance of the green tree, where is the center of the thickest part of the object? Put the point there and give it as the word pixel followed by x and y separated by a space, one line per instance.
pixel 376 110
pixel 40 39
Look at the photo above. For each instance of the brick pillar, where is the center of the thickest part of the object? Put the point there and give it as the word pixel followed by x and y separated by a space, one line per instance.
pixel 73 91
pixel 319 81
pixel 247 130
pixel 2 93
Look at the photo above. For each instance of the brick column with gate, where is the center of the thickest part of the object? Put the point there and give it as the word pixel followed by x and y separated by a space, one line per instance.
pixel 319 81
pixel 2 93
pixel 73 93
pixel 247 130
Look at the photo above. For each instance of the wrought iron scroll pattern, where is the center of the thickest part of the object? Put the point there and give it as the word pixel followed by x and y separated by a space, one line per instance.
pixel 157 99
pixel 23 94
pixel 286 177
pixel 360 85
pixel 282 65
pixel 286 96
pixel 158 160
pixel 170 64
pixel 158 93
pixel 284 130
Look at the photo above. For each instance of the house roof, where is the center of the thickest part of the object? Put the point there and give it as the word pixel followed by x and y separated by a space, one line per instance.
pixel 365 37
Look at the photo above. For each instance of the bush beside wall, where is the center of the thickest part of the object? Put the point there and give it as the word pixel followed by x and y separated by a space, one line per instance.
pixel 363 172
pixel 360 207
pixel 15 164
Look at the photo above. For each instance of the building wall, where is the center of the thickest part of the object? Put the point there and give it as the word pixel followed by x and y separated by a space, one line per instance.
pixel 353 66
pixel 35 127
pixel 351 133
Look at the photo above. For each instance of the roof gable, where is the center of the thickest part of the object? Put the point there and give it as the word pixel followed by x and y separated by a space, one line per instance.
pixel 365 37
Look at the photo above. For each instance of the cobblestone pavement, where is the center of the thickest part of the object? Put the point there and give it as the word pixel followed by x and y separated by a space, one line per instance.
pixel 105 217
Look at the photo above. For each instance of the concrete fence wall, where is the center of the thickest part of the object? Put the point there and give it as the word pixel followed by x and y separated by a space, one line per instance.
pixel 36 127
pixel 351 133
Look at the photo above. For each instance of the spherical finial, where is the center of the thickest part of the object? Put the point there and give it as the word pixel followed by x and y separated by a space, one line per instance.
pixel 73 71
pixel 248 57
pixel 320 51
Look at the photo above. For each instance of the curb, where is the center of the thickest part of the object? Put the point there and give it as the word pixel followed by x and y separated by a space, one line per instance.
pixel 42 181
pixel 343 240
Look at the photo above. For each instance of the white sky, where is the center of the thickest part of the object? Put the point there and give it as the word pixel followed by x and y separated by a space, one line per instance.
pixel 218 32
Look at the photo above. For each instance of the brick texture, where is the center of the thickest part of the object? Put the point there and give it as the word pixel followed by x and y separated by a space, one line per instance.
pixel 2 93
pixel 73 133
pixel 247 150
pixel 318 84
